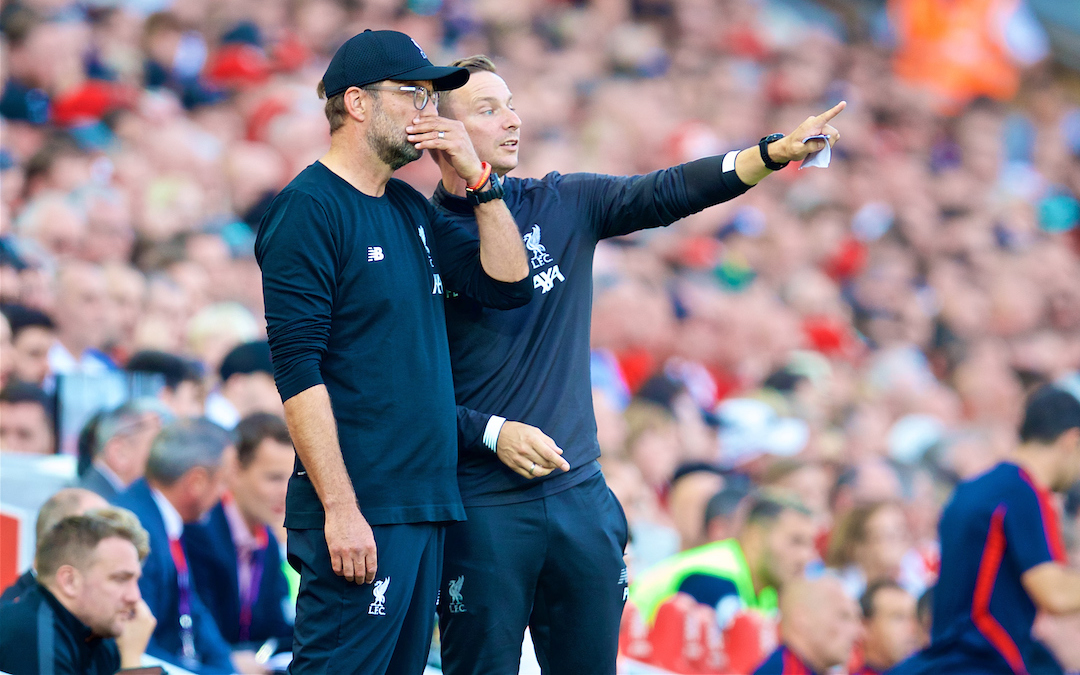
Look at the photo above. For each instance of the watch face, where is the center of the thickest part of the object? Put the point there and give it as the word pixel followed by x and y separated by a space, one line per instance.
pixel 773 137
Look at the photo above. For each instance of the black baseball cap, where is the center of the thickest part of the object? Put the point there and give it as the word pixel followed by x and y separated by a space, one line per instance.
pixel 377 55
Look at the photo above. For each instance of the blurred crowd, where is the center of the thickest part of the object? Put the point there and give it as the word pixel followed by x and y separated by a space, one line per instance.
pixel 860 337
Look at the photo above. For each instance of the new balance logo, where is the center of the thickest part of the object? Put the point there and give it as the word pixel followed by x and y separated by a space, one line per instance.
pixel 546 279
pixel 374 253
pixel 378 608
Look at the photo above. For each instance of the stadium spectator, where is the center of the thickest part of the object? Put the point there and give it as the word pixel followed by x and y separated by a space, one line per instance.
pixel 84 614
pixel 7 362
pixel 247 386
pixel 122 441
pixel 66 502
pixel 185 477
pixel 127 298
pixel 183 390
pixel 890 627
pixel 819 625
pixel 56 223
pixel 724 512
pixel 26 420
pixel 32 334
pixel 772 549
pixel 868 544
pixel 235 557
pixel 216 330
pixel 691 488
pixel 82 321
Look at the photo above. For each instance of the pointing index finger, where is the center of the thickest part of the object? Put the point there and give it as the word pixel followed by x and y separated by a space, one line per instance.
pixel 832 112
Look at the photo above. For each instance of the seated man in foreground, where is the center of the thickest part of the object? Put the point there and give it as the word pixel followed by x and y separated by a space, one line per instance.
pixel 84 615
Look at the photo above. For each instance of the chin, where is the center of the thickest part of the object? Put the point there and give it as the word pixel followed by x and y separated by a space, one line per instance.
pixel 504 167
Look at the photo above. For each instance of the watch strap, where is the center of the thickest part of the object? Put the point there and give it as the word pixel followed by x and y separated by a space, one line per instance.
pixel 763 148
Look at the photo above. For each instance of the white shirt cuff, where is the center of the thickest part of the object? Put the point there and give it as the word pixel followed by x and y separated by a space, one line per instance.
pixel 491 432
pixel 729 161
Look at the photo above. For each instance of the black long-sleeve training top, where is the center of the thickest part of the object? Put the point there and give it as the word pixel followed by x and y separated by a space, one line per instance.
pixel 353 287
pixel 39 635
pixel 531 364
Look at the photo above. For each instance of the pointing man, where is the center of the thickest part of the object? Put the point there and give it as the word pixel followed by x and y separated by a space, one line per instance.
pixel 544 539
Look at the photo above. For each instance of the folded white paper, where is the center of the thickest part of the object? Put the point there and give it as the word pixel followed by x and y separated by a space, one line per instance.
pixel 821 157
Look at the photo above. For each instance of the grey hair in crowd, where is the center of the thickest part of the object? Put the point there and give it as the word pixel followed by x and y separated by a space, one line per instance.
pixel 120 420
pixel 183 445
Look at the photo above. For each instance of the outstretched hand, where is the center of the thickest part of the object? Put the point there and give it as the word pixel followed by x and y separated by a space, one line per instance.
pixel 791 147
pixel 528 451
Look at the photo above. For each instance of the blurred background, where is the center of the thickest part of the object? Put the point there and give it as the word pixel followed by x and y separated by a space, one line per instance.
pixel 858 335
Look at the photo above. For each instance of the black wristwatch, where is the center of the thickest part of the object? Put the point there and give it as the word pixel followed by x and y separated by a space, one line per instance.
pixel 476 197
pixel 763 147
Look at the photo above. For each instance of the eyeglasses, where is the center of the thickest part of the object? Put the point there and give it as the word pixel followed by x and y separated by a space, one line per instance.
pixel 420 95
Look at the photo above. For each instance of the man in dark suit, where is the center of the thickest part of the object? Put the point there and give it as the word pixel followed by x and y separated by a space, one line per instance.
pixel 236 561
pixel 185 477
pixel 122 441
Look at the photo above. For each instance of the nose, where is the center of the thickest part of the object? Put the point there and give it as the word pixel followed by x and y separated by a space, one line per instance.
pixel 429 109
pixel 132 595
pixel 512 120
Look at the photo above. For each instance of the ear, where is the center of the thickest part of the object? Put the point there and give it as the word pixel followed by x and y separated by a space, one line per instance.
pixel 1069 440
pixel 357 103
pixel 113 452
pixel 194 483
pixel 68 580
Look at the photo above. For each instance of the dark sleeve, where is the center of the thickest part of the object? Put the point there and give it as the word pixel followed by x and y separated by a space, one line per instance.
pixel 459 265
pixel 623 204
pixel 1029 533
pixel 471 425
pixel 297 254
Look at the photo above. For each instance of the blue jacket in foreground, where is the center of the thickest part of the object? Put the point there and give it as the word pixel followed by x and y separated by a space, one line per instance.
pixel 159 588
pixel 531 364
pixel 211 553
pixel 353 288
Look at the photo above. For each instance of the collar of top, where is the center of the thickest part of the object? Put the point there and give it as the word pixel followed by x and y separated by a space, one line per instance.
pixel 76 627
pixel 377 55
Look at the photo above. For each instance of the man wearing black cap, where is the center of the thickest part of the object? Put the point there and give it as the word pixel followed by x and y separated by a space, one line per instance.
pixel 1003 555
pixel 532 365
pixel 355 265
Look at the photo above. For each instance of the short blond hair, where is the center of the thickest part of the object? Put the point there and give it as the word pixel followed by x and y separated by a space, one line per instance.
pixel 73 540
pixel 475 64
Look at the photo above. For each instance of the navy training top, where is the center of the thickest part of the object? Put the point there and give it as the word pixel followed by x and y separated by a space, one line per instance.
pixel 531 364
pixel 353 288
pixel 39 635
pixel 996 527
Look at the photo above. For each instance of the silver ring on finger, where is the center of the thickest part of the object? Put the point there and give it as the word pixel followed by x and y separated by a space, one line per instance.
pixel 442 134
pixel 532 469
